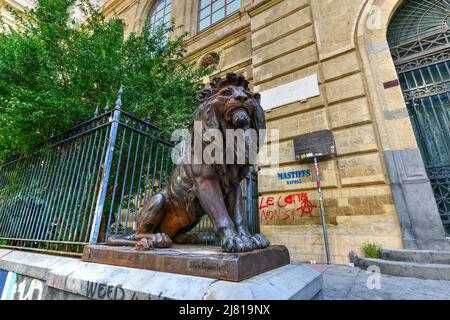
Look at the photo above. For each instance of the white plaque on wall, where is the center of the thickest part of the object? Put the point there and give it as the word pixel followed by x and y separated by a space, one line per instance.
pixel 290 92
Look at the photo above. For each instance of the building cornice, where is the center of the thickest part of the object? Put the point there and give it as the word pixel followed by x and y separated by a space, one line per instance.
pixel 260 6
pixel 13 4
pixel 113 6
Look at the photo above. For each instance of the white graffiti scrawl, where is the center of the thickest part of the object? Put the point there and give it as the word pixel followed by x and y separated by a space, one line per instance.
pixel 18 287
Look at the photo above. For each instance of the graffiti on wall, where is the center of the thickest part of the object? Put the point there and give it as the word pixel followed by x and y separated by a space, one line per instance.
pixel 287 208
pixel 14 286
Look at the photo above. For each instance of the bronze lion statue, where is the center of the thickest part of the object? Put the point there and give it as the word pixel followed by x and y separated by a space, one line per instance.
pixel 213 189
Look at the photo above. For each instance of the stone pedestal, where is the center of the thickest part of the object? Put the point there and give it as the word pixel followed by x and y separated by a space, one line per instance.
pixel 209 262
pixel 60 278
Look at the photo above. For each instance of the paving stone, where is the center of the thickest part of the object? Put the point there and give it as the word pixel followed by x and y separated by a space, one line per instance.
pixel 337 279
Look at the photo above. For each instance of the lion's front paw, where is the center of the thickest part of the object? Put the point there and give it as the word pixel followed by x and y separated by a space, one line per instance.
pixel 144 244
pixel 238 244
pixel 162 240
pixel 260 241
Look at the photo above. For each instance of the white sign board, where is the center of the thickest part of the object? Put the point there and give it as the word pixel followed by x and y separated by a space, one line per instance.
pixel 290 92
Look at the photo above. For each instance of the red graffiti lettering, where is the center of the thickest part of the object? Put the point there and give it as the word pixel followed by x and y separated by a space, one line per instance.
pixel 269 215
pixel 306 206
pixel 270 207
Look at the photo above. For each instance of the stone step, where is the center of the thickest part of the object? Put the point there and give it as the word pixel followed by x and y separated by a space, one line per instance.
pixel 419 256
pixel 431 271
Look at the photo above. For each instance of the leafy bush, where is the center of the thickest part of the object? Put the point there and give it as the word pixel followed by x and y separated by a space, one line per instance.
pixel 372 250
pixel 53 74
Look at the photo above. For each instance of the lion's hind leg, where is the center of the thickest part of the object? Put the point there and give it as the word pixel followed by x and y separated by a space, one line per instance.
pixel 149 219
pixel 188 238
pixel 121 240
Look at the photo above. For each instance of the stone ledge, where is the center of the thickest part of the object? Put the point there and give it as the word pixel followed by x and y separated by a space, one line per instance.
pixel 420 256
pixel 73 277
pixel 4 252
pixel 431 271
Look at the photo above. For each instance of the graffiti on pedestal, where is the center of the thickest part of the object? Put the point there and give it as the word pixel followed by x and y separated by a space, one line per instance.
pixel 286 208
pixel 14 286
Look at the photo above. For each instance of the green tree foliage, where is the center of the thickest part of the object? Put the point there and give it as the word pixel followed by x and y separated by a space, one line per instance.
pixel 53 74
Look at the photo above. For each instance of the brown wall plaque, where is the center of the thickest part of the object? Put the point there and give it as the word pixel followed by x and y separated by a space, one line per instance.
pixel 316 144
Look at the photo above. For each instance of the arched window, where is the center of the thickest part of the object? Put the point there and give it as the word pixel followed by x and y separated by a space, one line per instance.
pixel 212 11
pixel 160 14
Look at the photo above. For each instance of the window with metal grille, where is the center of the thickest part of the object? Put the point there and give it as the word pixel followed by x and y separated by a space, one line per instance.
pixel 160 14
pixel 213 11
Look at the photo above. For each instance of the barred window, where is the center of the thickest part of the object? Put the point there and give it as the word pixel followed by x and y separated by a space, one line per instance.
pixel 160 14
pixel 212 11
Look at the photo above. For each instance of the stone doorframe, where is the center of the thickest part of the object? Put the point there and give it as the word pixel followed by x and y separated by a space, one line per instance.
pixel 416 207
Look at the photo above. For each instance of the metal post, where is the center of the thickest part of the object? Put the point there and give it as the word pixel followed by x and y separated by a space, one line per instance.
pixel 106 170
pixel 322 210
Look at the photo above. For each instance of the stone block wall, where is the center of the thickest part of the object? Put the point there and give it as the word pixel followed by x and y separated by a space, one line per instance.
pixel 274 43
pixel 358 201
pixel 370 188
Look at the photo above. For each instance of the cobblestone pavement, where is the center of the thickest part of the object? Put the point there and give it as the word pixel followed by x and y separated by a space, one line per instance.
pixel 351 283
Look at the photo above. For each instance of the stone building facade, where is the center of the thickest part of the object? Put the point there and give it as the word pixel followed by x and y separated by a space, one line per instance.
pixel 21 5
pixel 17 5
pixel 319 65
pixel 336 55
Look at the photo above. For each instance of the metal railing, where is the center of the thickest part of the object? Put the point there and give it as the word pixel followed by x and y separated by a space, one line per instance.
pixel 250 194
pixel 91 182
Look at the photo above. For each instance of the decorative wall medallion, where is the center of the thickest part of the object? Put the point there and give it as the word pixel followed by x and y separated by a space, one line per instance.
pixel 210 60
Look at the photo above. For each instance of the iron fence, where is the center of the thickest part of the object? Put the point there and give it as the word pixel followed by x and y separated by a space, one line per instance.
pixel 250 191
pixel 90 182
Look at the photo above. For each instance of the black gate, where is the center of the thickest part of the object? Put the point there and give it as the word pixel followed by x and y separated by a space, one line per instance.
pixel 420 46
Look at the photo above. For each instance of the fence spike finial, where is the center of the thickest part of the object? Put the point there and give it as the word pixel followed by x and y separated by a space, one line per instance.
pixel 119 100
pixel 96 111
pixel 147 119
pixel 107 106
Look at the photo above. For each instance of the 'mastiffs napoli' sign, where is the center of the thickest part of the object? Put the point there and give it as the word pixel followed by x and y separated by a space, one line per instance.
pixel 293 177
pixel 316 144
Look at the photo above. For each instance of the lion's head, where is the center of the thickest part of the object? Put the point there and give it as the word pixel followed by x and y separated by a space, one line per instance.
pixel 228 103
